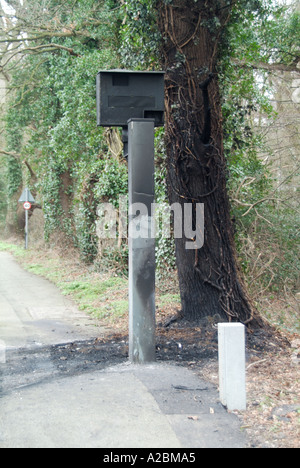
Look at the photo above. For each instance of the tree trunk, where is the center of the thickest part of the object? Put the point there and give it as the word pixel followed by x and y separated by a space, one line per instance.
pixel 210 280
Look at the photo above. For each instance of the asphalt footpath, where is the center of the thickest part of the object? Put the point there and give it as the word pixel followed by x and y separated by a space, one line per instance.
pixel 154 406
pixel 160 405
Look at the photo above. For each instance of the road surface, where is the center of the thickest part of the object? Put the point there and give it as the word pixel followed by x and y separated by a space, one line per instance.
pixel 34 312
pixel 62 386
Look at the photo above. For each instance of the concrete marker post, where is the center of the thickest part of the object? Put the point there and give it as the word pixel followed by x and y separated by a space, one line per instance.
pixel 232 366
pixel 2 352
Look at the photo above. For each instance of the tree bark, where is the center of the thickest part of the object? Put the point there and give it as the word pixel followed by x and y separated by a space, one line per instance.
pixel 210 280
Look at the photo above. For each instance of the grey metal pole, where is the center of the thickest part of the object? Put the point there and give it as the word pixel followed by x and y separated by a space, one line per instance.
pixel 26 220
pixel 26 229
pixel 141 241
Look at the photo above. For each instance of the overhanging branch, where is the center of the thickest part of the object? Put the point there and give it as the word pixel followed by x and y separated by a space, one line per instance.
pixel 37 37
pixel 38 50
pixel 270 67
pixel 10 153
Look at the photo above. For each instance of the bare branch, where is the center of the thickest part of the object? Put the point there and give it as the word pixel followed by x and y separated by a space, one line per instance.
pixel 38 50
pixel 9 153
pixel 46 35
pixel 50 47
pixel 270 67
pixel 32 173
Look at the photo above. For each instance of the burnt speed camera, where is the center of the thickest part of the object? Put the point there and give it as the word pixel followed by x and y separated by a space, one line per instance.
pixel 124 95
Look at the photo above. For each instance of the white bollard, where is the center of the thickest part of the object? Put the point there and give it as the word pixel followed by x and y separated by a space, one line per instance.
pixel 232 366
pixel 2 352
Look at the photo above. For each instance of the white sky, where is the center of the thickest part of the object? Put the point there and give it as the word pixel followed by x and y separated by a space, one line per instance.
pixel 7 8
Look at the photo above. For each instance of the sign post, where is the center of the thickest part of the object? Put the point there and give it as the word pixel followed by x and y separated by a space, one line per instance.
pixel 141 241
pixel 27 200
pixel 135 101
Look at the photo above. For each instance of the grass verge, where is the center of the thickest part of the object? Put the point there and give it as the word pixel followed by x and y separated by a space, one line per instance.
pixel 101 295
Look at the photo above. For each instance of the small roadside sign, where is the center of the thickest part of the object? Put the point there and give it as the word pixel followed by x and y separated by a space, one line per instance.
pixel 26 196
pixel 27 206
pixel 27 200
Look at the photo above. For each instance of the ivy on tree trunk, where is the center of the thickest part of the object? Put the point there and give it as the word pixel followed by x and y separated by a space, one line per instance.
pixel 210 280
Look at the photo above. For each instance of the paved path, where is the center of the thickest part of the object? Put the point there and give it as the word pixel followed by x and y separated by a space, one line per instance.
pixel 33 311
pixel 46 403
